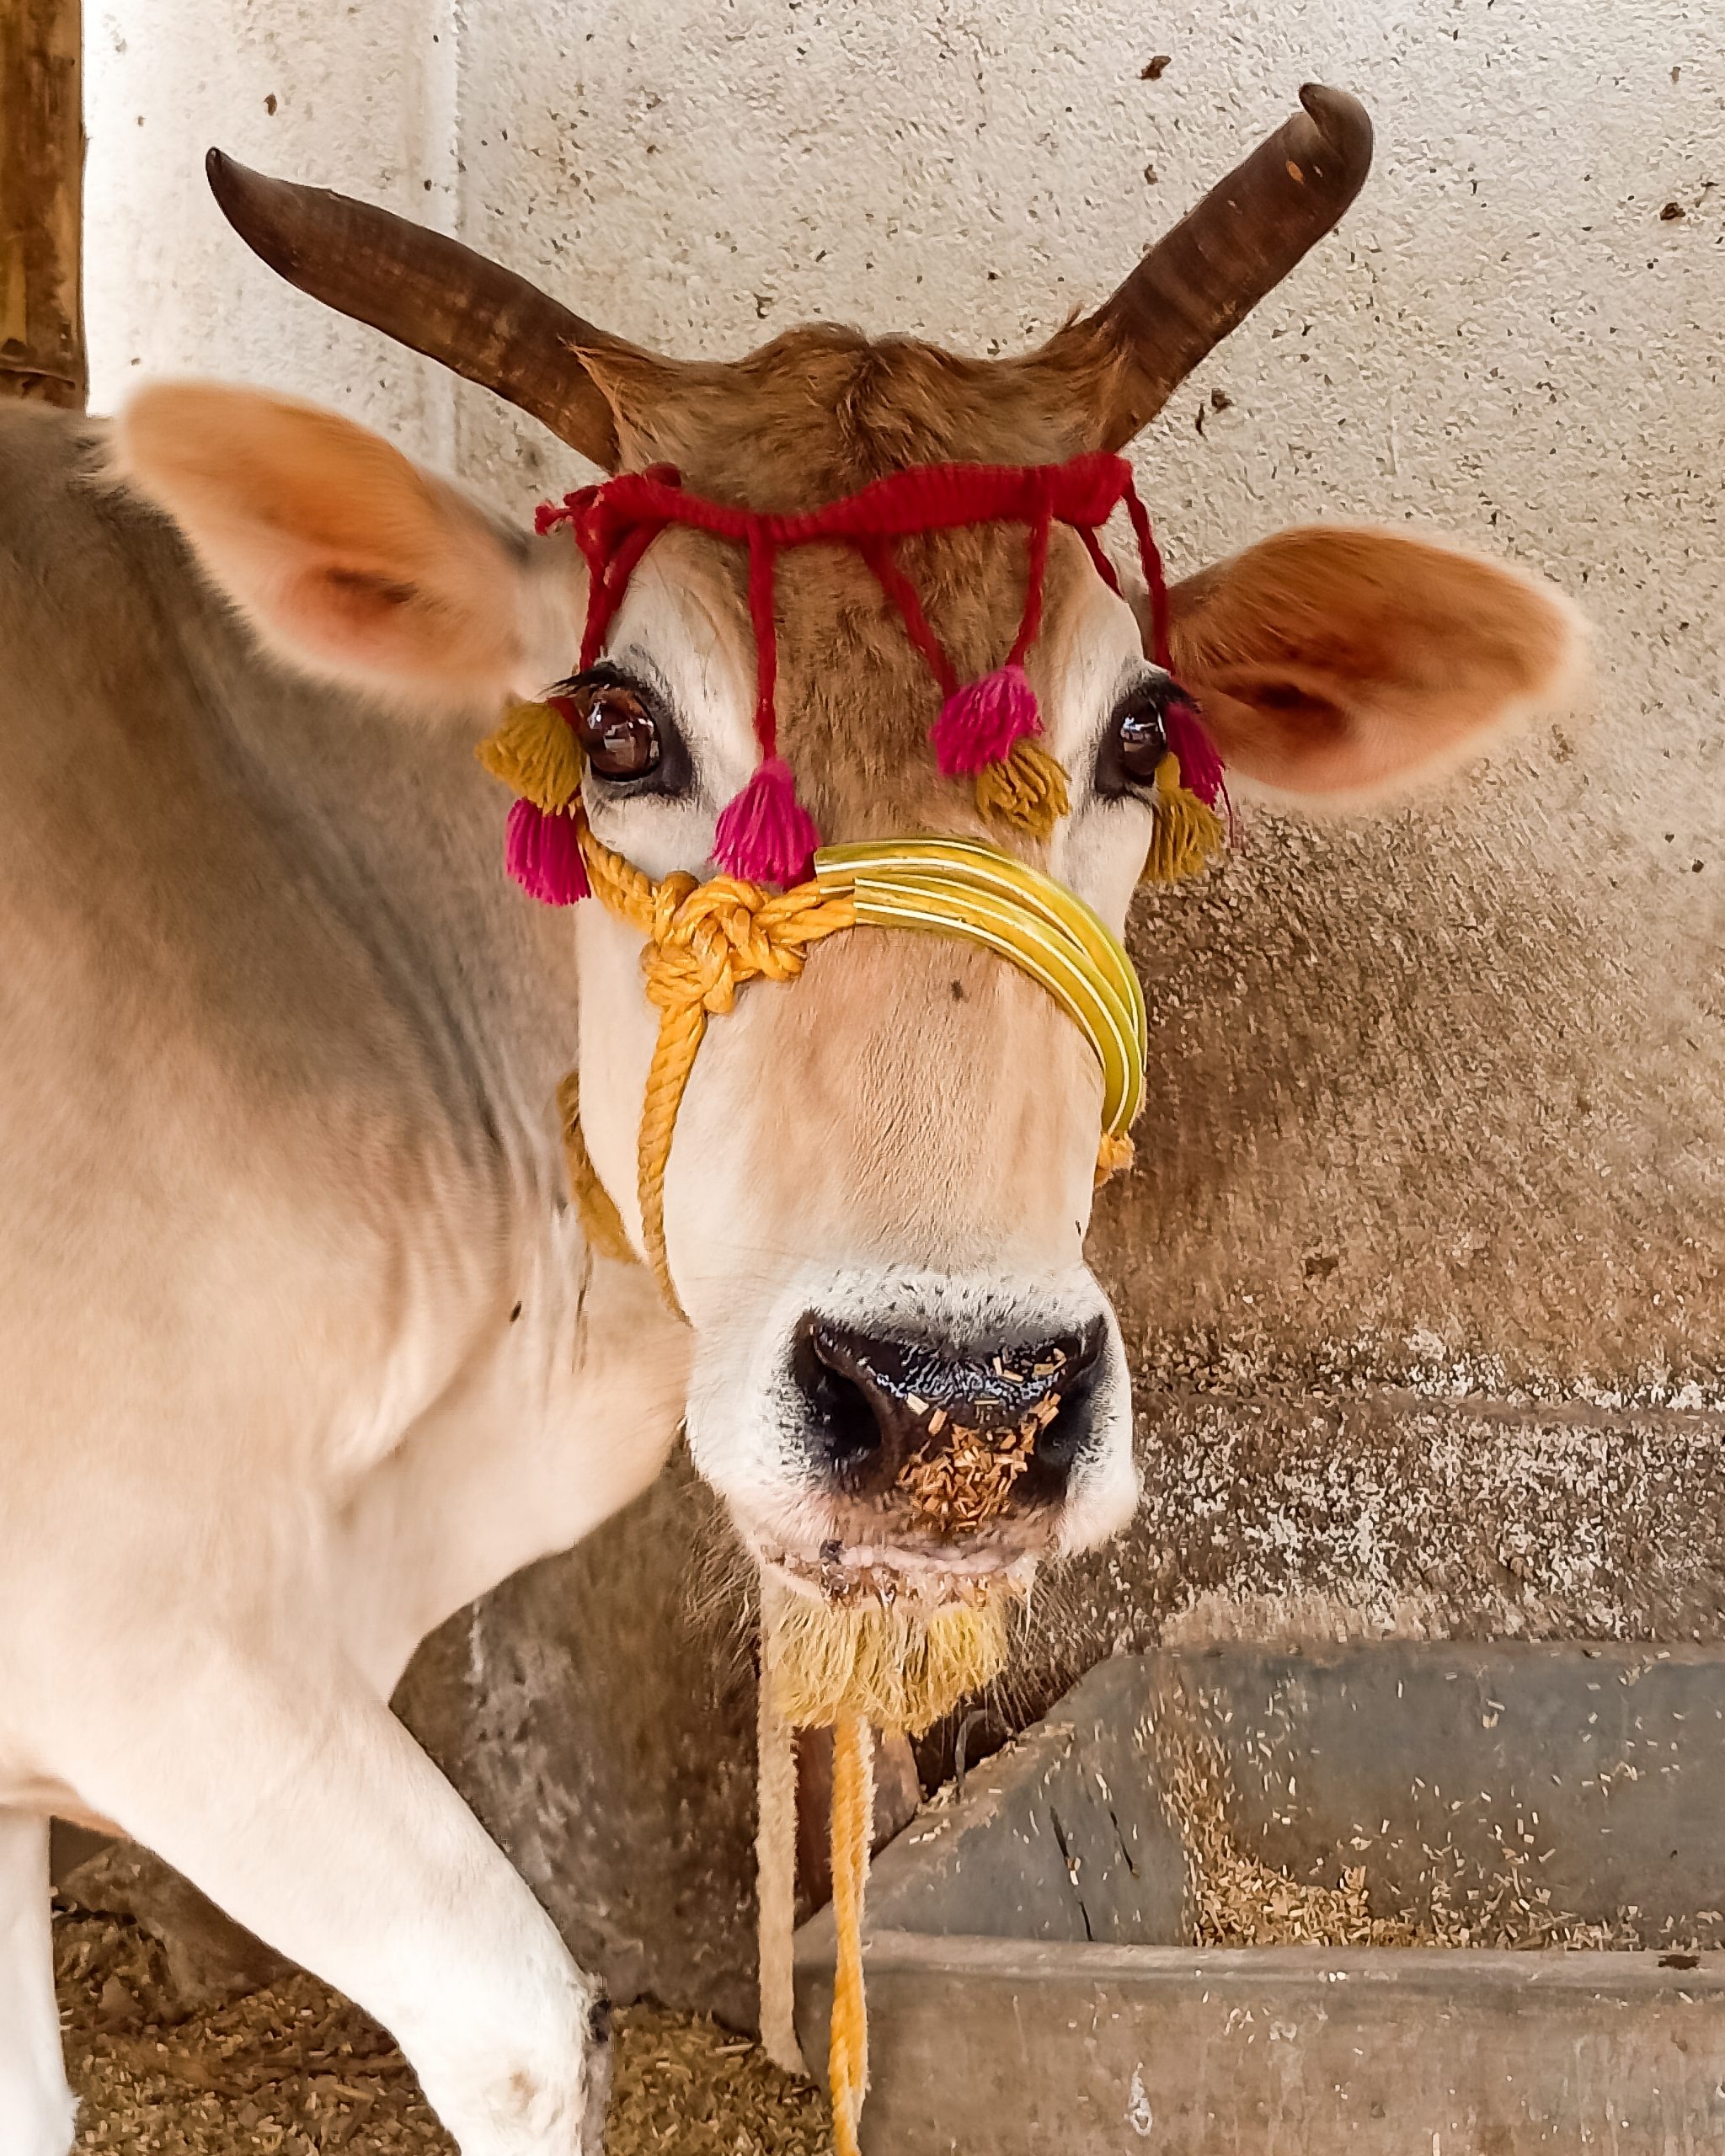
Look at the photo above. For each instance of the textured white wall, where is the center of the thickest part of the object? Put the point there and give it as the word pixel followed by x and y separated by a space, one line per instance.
pixel 360 96
pixel 1507 339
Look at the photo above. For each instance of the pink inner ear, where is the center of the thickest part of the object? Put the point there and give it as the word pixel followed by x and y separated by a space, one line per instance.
pixel 982 723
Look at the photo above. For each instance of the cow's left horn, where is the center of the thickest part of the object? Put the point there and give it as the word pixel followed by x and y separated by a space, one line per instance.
pixel 428 291
pixel 1220 260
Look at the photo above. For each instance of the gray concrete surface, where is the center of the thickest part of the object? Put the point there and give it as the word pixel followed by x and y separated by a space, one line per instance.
pixel 1032 1986
pixel 1026 2050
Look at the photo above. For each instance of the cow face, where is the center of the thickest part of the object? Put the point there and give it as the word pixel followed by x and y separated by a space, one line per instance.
pixel 881 1175
pixel 876 1201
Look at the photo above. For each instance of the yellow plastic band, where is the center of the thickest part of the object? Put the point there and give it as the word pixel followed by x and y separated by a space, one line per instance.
pixel 963 888
pixel 707 940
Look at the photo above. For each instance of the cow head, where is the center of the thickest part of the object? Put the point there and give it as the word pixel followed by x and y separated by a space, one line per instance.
pixel 876 1202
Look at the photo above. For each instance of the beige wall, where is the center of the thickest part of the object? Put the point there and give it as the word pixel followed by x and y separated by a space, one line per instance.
pixel 1424 1261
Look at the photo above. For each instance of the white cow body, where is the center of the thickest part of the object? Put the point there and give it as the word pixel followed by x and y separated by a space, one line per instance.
pixel 301 1346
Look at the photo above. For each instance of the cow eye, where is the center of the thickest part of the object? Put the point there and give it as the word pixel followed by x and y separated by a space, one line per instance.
pixel 617 721
pixel 1137 738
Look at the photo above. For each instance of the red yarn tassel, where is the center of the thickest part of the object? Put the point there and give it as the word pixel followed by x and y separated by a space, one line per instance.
pixel 1200 766
pixel 766 835
pixel 980 723
pixel 543 854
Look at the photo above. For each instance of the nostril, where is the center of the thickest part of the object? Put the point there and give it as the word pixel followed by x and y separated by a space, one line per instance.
pixel 842 1410
pixel 1060 1440
pixel 1057 1444
pixel 884 1408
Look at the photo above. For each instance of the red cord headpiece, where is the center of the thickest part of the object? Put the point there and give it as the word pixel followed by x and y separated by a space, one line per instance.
pixel 764 833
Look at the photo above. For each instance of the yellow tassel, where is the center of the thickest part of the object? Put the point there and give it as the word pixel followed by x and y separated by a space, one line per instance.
pixel 600 1221
pixel 1188 833
pixel 1027 790
pixel 536 755
pixel 901 1667
pixel 1112 1155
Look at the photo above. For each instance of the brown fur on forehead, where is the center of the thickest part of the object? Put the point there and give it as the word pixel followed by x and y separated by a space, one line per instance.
pixel 814 415
pixel 856 698
pixel 823 409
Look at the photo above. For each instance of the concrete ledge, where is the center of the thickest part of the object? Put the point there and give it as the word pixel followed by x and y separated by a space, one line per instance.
pixel 1025 2049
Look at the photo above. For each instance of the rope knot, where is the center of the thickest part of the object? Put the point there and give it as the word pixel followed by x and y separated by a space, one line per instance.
pixel 708 939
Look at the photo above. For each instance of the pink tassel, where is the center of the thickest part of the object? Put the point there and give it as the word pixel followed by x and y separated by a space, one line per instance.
pixel 543 854
pixel 766 835
pixel 1200 766
pixel 980 723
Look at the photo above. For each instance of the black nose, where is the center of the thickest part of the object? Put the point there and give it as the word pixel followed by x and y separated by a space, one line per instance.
pixel 955 1434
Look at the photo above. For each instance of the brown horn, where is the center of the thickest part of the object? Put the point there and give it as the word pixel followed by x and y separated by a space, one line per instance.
pixel 1220 260
pixel 430 293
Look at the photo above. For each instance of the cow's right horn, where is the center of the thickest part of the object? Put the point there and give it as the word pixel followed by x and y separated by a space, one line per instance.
pixel 431 293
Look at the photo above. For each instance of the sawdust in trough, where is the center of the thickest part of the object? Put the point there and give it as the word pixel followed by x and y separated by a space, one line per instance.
pixel 296 2071
pixel 1236 1899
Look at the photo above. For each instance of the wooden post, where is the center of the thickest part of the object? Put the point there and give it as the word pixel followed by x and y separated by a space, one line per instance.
pixel 41 203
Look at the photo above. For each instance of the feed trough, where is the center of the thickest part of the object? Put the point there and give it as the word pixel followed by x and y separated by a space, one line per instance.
pixel 1485 1885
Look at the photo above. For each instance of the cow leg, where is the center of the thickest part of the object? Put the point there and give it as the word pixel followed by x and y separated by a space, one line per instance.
pixel 35 2104
pixel 300 1804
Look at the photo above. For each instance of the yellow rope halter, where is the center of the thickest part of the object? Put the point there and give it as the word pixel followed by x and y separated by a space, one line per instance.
pixel 704 941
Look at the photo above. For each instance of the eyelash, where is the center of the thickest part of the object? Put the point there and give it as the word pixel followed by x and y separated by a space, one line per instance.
pixel 672 774
pixel 1149 695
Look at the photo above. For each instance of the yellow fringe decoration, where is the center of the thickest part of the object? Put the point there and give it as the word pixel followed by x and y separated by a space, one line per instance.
pixel 536 755
pixel 1188 833
pixel 1027 790
pixel 900 1668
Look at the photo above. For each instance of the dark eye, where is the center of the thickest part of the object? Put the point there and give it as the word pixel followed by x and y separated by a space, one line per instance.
pixel 617 721
pixel 1136 739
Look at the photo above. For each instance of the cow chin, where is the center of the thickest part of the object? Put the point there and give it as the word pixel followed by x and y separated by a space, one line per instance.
pixel 908 1433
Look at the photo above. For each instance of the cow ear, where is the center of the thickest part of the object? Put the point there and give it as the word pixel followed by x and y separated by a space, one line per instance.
pixel 345 556
pixel 1333 660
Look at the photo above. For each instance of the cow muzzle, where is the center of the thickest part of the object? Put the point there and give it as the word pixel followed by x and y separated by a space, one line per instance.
pixel 921 1433
pixel 953 1440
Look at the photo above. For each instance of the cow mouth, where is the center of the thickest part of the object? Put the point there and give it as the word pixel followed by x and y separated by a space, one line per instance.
pixel 889 1574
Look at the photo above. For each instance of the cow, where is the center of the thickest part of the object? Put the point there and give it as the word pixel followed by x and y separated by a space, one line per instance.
pixel 303 1344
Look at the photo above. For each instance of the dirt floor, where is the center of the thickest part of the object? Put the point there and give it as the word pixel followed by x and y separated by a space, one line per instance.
pixel 294 2071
